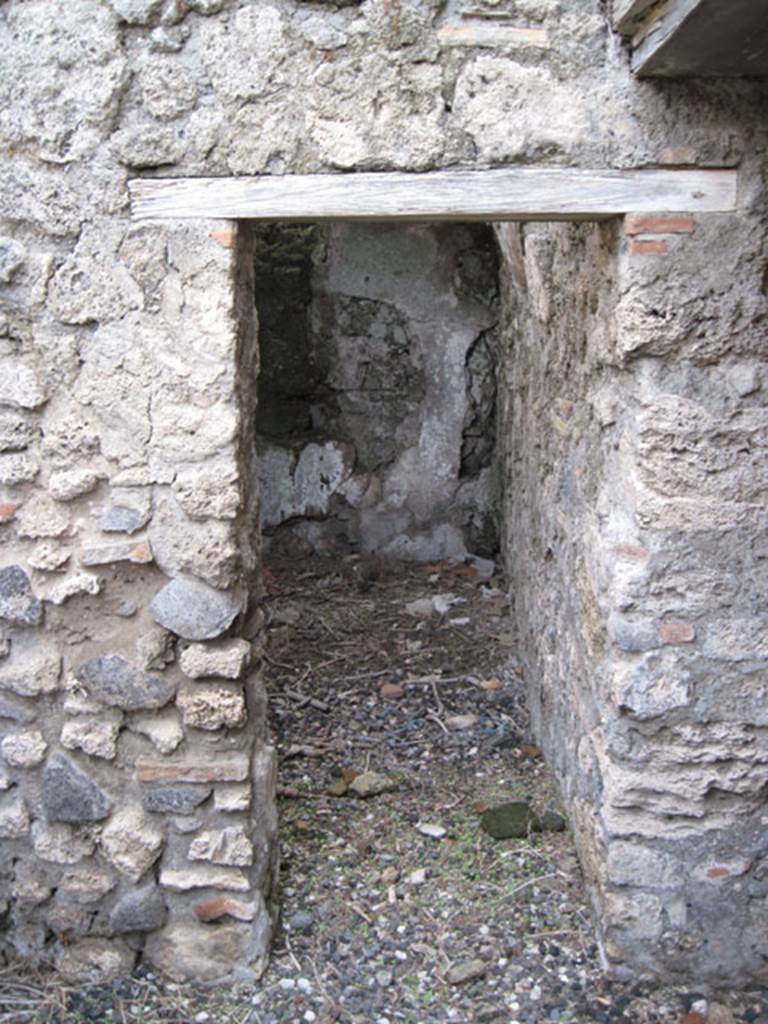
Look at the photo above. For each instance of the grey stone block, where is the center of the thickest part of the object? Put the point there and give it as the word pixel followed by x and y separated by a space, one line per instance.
pixel 142 910
pixel 17 709
pixel 112 680
pixel 120 519
pixel 633 637
pixel 193 610
pixel 175 799
pixel 69 795
pixel 18 605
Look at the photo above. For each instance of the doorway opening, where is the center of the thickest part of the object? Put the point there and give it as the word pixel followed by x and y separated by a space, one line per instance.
pixel 396 699
pixel 376 412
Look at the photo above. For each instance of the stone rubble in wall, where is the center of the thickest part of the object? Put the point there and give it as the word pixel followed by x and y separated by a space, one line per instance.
pixel 62 844
pixel 96 737
pixel 23 749
pixel 111 692
pixel 209 707
pixel 162 728
pixel 227 660
pixel 131 842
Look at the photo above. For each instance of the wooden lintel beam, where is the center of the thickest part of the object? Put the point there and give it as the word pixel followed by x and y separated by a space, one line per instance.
pixel 514 194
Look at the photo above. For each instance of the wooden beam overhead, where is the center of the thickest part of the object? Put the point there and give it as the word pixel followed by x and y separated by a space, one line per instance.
pixel 709 38
pixel 514 194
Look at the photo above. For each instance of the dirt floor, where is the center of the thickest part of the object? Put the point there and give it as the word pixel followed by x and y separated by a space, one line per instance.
pixel 401 681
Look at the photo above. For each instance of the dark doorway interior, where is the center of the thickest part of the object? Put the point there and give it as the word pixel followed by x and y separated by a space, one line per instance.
pixel 377 403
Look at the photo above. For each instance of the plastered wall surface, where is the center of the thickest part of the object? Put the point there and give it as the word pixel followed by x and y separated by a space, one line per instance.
pixel 137 801
pixel 376 419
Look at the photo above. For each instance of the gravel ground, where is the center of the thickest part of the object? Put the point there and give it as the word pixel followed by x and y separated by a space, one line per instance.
pixel 398 907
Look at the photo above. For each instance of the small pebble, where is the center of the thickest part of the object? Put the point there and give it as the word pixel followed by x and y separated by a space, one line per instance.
pixel 301 921
pixel 433 831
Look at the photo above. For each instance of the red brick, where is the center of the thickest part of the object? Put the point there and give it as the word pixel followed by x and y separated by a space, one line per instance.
pixel 677 155
pixel 694 1017
pixel 677 632
pixel 232 768
pixel 631 552
pixel 221 906
pixel 7 512
pixel 648 247
pixel 225 237
pixel 658 224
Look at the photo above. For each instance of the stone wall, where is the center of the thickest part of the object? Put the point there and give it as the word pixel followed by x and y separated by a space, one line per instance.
pixel 636 515
pixel 137 779
pixel 377 393
pixel 137 783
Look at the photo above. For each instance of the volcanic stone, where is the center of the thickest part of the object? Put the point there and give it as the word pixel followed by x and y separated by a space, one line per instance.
pixel 193 610
pixel 227 660
pixel 113 680
pixel 69 795
pixel 95 736
pixel 18 605
pixel 17 709
pixel 203 953
pixel 162 728
pixel 120 519
pixel 67 484
pixel 86 884
pixel 32 670
pixel 14 816
pixel 511 820
pixel 24 749
pixel 61 844
pixel 94 961
pixel 15 432
pixel 230 798
pixel 175 799
pixel 131 842
pixel 212 707
pixel 223 846
pixel 142 910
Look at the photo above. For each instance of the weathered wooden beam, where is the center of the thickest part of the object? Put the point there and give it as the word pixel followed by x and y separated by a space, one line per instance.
pixel 710 38
pixel 515 194
pixel 628 14
pixel 665 20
